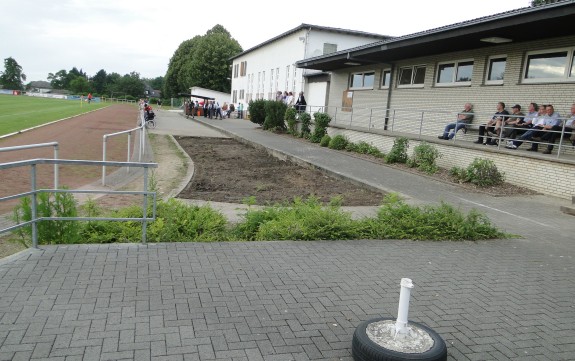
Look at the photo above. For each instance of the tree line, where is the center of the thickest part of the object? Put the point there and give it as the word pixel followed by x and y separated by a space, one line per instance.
pixel 202 61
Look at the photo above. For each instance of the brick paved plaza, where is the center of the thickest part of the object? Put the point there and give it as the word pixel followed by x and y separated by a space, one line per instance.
pixel 281 300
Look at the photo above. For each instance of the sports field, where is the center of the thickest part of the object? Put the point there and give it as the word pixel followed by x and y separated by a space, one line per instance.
pixel 23 112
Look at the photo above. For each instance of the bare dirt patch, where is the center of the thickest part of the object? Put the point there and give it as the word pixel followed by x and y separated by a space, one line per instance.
pixel 226 170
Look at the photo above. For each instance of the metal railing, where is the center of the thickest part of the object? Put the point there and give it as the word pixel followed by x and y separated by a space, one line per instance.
pixel 34 191
pixel 39 145
pixel 142 143
pixel 420 123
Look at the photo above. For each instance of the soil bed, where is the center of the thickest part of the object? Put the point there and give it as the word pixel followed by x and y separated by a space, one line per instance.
pixel 226 170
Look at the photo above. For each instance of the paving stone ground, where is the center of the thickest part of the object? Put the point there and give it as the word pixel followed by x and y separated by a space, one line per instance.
pixel 493 300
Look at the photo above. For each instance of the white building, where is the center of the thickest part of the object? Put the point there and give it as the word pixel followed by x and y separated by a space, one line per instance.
pixel 262 71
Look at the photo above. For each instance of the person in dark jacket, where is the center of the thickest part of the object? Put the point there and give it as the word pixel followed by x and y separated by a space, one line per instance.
pixel 300 104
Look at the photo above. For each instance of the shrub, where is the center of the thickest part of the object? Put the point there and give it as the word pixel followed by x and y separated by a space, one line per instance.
pixel 398 153
pixel 321 121
pixel 397 220
pixel 274 115
pixel 49 205
pixel 423 157
pixel 290 116
pixel 324 142
pixel 305 120
pixel 302 220
pixel 257 111
pixel 366 148
pixel 338 142
pixel 484 173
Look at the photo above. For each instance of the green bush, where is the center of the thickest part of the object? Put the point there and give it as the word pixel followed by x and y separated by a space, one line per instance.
pixel 366 148
pixel 175 222
pixel 398 153
pixel 257 111
pixel 324 142
pixel 423 157
pixel 274 115
pixel 290 117
pixel 338 142
pixel 484 173
pixel 302 220
pixel 56 204
pixel 305 120
pixel 321 121
pixel 397 220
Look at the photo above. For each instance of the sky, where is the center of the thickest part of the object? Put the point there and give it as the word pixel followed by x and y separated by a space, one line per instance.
pixel 123 36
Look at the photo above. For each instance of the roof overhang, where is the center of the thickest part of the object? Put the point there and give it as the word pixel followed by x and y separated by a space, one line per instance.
pixel 520 25
pixel 196 96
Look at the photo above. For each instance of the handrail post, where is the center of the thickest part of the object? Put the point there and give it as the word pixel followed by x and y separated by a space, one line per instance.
pixel 129 143
pixel 351 117
pixel 393 120
pixel 561 138
pixel 370 116
pixel 34 206
pixel 103 160
pixel 421 124
pixel 145 206
pixel 56 171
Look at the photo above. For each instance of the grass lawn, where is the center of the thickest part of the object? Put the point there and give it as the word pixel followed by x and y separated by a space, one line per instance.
pixel 22 112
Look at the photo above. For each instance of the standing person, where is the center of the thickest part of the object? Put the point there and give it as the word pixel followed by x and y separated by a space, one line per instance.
pixel 159 102
pixel 205 107
pixel 217 110
pixel 191 109
pixel 289 100
pixel 240 111
pixel 463 118
pixel 89 98
pixel 300 104
pixel 231 110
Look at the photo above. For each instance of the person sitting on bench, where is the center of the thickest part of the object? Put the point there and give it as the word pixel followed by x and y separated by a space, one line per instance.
pixel 490 126
pixel 463 118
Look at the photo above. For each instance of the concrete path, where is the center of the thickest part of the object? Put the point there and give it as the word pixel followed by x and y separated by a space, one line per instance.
pixel 489 300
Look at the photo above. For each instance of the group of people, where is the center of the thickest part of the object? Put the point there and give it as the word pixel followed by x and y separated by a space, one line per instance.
pixel 541 121
pixel 288 98
pixel 212 109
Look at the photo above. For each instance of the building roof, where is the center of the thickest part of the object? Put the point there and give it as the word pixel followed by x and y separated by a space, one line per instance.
pixel 40 84
pixel 524 24
pixel 304 26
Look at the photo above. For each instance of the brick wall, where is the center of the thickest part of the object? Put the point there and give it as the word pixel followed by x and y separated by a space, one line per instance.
pixel 552 177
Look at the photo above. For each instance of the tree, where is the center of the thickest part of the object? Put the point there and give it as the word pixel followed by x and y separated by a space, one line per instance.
pixel 79 85
pixel 130 84
pixel 12 76
pixel 98 81
pixel 202 61
pixel 58 80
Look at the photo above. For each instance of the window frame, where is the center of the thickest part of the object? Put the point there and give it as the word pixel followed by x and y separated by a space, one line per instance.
pixel 362 74
pixel 454 81
pixel 413 72
pixel 567 76
pixel 329 45
pixel 489 67
pixel 381 83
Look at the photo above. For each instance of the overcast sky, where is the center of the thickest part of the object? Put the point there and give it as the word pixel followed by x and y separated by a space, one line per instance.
pixel 127 35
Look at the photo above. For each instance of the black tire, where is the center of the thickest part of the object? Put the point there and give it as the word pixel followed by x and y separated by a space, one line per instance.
pixel 151 124
pixel 364 349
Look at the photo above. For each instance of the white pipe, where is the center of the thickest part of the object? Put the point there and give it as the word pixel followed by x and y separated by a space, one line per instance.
pixel 401 329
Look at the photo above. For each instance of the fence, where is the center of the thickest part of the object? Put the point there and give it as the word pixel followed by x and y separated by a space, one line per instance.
pixel 424 123
pixel 34 191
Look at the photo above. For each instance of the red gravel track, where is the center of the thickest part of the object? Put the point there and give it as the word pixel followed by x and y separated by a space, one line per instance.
pixel 80 137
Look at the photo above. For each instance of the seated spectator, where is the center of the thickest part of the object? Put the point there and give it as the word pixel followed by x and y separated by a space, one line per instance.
pixel 550 137
pixel 520 125
pixel 515 118
pixel 463 118
pixel 544 124
pixel 489 127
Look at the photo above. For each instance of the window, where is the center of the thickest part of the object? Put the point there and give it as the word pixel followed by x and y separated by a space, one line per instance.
pixel 236 68
pixel 496 69
pixel 241 94
pixel 385 78
pixel 243 68
pixel 455 73
pixel 329 48
pixel 411 76
pixel 362 80
pixel 550 66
